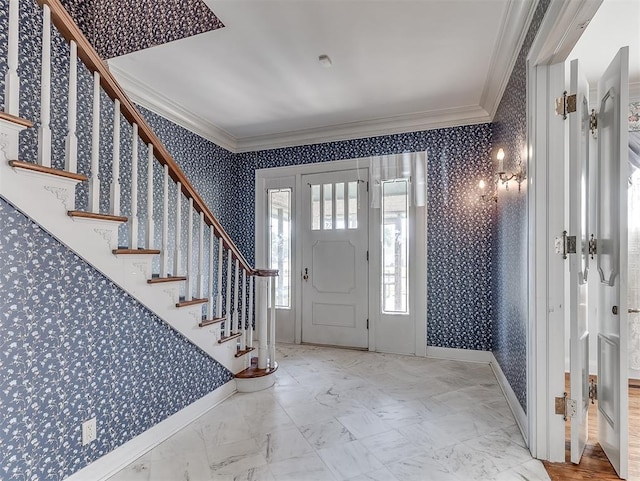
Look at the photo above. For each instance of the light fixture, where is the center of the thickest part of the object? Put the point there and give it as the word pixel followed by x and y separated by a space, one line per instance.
pixel 502 176
pixel 324 60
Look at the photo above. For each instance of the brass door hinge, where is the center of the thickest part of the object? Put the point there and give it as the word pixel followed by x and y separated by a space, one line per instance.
pixel 566 407
pixel 565 245
pixel 566 105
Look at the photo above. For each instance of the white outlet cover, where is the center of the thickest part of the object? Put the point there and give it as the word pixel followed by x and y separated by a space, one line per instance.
pixel 89 431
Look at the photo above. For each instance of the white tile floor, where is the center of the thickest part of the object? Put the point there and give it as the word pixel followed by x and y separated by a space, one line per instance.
pixel 347 415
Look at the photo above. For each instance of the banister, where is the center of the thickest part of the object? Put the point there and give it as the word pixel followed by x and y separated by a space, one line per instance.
pixel 70 31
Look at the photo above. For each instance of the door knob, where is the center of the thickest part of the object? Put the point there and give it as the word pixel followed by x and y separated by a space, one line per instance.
pixel 306 274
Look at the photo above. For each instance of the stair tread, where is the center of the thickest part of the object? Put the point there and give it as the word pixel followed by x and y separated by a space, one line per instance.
pixel 19 164
pixel 125 250
pixel 253 371
pixel 158 279
pixel 210 322
pixel 233 335
pixel 192 302
pixel 16 120
pixel 96 216
pixel 242 352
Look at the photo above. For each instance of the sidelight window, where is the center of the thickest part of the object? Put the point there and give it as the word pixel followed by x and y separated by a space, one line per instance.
pixel 280 242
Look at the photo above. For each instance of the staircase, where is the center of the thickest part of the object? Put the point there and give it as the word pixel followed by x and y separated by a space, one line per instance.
pixel 200 283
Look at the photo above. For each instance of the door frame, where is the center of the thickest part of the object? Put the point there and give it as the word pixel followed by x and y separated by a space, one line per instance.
pixel 559 31
pixel 419 277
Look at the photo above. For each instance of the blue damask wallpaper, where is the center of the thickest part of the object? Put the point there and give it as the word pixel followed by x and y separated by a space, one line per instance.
pixel 72 346
pixel 459 224
pixel 510 266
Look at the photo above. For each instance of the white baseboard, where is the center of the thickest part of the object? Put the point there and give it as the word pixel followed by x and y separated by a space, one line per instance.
pixel 512 400
pixel 451 354
pixel 109 464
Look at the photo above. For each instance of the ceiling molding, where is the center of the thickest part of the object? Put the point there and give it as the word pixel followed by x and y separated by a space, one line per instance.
pixel 369 128
pixel 153 100
pixel 512 33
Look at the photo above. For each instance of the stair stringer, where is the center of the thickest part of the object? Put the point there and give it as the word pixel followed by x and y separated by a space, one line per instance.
pixel 46 199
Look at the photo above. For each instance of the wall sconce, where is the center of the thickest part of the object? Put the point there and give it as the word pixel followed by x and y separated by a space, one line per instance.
pixel 502 176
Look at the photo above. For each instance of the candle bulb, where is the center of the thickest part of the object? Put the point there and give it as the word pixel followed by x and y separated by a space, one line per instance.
pixel 500 158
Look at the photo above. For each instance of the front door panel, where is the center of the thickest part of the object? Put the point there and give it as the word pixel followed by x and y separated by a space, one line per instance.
pixel 335 268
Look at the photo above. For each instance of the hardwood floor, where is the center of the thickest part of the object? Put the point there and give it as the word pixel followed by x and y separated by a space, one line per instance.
pixel 594 464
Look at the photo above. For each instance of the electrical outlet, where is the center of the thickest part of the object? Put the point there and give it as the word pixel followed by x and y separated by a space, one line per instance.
pixel 89 431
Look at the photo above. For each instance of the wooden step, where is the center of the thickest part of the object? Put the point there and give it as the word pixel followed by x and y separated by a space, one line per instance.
pixel 192 302
pixel 92 215
pixel 159 280
pixel 242 352
pixel 253 371
pixel 16 120
pixel 211 322
pixel 19 164
pixel 126 251
pixel 233 335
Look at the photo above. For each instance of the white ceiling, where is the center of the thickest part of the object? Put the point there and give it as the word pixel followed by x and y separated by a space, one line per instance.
pixel 398 66
pixel 616 24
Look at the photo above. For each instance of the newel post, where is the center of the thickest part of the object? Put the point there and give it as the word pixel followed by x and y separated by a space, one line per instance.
pixel 266 318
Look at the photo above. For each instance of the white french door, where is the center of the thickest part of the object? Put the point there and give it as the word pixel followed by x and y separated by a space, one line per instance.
pixel 610 214
pixel 335 238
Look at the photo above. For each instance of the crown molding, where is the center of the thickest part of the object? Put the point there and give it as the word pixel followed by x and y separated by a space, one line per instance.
pixel 513 31
pixel 369 128
pixel 153 100
pixel 156 102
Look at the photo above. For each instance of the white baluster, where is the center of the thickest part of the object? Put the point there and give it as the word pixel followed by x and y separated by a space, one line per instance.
pixel 149 230
pixel 44 131
pixel 71 141
pixel 212 238
pixel 164 253
pixel 115 166
pixel 94 181
pixel 228 318
pixel 133 218
pixel 200 265
pixel 176 257
pixel 236 298
pixel 272 324
pixel 219 289
pixel 243 316
pixel 250 321
pixel 189 284
pixel 262 298
pixel 11 79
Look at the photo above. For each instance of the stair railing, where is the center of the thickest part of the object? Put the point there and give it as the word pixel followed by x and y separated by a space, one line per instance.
pixel 238 315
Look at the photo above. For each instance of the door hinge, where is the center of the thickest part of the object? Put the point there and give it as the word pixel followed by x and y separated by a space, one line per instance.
pixel 593 246
pixel 593 391
pixel 565 406
pixel 593 123
pixel 367 323
pixel 565 105
pixel 565 245
pixel 367 256
pixel 367 186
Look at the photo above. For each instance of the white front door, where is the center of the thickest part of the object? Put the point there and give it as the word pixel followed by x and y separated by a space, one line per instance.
pixel 611 233
pixel 335 236
pixel 579 138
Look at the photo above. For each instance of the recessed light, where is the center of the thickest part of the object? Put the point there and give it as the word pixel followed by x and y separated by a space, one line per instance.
pixel 324 60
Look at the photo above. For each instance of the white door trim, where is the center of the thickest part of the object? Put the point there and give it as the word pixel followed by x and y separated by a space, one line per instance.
pixel 561 27
pixel 419 279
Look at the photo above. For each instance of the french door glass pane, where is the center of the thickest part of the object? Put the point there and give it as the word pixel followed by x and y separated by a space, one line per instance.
pixel 280 243
pixel 328 206
pixel 340 205
pixel 315 207
pixel 395 244
pixel 352 205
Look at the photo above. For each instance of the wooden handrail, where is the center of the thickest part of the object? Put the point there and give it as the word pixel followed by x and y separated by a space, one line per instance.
pixel 70 31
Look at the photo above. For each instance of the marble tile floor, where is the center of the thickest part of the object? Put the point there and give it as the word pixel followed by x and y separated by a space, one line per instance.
pixel 337 414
